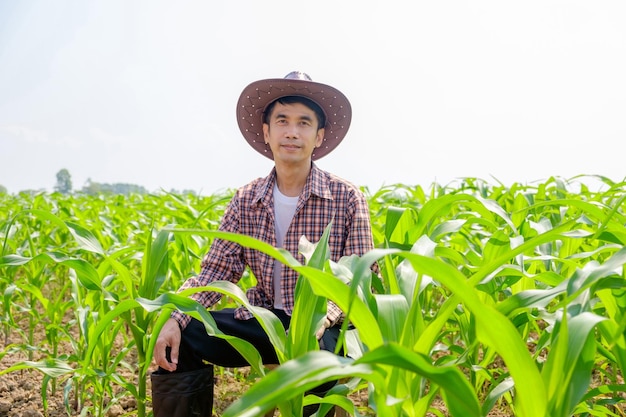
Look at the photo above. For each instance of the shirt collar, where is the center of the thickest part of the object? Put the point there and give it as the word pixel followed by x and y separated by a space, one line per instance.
pixel 317 183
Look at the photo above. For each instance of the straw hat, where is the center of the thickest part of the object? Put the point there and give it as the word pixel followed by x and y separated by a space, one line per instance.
pixel 257 95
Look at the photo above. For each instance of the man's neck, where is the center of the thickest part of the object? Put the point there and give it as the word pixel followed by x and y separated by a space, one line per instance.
pixel 291 179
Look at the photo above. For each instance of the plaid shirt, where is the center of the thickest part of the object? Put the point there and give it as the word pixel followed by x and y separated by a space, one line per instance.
pixel 325 197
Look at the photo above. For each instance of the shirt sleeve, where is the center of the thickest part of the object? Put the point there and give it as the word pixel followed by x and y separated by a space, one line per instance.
pixel 359 238
pixel 358 242
pixel 333 313
pixel 224 261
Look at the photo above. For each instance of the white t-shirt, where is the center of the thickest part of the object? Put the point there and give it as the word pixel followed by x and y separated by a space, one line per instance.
pixel 284 210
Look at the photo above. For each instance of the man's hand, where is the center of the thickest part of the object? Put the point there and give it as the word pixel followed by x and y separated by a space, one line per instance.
pixel 169 337
pixel 322 329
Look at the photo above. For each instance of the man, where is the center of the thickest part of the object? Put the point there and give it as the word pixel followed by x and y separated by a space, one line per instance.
pixel 293 121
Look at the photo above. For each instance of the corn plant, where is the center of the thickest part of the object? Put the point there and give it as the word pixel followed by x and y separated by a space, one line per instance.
pixel 489 296
pixel 97 273
pixel 499 287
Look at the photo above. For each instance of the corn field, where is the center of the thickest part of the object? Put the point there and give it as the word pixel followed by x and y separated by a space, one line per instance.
pixel 488 296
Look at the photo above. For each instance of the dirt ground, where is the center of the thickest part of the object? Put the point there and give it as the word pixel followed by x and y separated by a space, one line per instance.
pixel 20 394
pixel 20 391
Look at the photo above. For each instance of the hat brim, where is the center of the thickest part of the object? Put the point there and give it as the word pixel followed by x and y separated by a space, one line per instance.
pixel 257 95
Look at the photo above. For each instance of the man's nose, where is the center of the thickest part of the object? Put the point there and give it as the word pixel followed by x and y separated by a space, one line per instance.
pixel 292 131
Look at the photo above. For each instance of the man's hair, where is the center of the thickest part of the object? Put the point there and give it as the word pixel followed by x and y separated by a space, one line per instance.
pixel 319 113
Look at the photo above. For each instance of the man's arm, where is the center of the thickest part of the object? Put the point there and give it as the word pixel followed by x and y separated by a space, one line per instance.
pixel 224 261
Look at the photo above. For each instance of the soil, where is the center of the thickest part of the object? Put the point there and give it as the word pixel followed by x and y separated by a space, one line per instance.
pixel 20 394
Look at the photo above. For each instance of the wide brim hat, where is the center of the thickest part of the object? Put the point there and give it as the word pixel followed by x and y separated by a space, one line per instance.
pixel 257 95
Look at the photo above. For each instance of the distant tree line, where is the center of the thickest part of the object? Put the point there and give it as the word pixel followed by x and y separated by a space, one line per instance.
pixel 63 185
pixel 95 188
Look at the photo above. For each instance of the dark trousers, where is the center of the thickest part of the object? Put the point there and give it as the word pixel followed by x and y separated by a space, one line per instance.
pixel 199 350
pixel 197 347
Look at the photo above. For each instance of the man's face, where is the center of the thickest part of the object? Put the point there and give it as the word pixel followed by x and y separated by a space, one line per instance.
pixel 292 133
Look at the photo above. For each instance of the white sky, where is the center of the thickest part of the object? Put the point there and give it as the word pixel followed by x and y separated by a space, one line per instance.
pixel 144 92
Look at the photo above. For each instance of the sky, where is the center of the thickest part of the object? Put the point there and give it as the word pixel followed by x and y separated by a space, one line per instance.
pixel 144 92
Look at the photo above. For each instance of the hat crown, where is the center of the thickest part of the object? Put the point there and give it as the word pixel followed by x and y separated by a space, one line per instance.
pixel 298 75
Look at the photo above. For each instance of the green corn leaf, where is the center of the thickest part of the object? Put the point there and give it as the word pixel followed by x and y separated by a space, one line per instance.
pixel 168 301
pixel 85 239
pixel 295 377
pixel 309 309
pixel 393 310
pixel 272 326
pixel 52 367
pixel 154 265
pixel 458 393
pixel 328 286
pixel 496 393
pixel 495 330
pixel 86 273
pixel 567 371
pixel 14 260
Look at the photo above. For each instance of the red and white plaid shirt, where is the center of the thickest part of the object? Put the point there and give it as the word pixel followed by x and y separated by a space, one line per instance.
pixel 325 197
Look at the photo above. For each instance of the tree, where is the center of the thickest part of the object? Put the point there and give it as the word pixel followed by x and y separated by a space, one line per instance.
pixel 64 182
pixel 3 189
pixel 96 188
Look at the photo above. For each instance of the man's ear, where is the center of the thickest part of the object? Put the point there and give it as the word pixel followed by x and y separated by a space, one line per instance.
pixel 320 137
pixel 266 133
